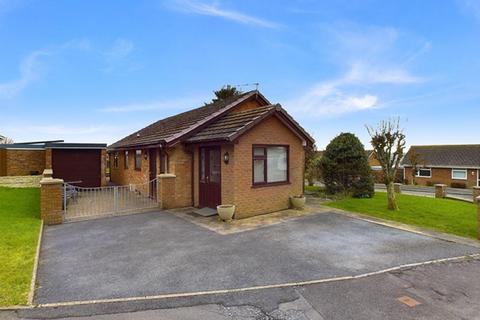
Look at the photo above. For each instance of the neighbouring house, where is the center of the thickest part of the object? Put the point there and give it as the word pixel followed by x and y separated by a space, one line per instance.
pixel 377 170
pixel 243 151
pixel 81 163
pixel 453 165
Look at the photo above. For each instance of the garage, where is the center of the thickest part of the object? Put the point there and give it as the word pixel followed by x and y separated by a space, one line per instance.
pixel 78 164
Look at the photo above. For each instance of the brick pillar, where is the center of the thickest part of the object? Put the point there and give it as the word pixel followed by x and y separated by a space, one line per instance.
pixel 166 190
pixel 397 187
pixel 440 190
pixel 48 158
pixel 103 167
pixel 51 200
pixel 476 193
pixel 477 200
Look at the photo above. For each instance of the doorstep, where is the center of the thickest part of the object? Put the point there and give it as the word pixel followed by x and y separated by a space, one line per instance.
pixel 214 223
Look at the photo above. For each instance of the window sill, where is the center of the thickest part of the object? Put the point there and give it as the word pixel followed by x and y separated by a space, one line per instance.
pixel 271 184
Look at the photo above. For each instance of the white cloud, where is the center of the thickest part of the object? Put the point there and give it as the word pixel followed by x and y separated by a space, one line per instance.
pixel 214 10
pixel 31 66
pixel 29 69
pixel 118 53
pixel 369 56
pixel 371 74
pixel 160 105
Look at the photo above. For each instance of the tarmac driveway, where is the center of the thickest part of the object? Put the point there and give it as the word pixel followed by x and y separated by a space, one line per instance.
pixel 159 253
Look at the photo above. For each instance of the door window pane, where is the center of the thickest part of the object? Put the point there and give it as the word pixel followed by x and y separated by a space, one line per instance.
pixel 276 164
pixel 258 171
pixel 202 164
pixel 214 165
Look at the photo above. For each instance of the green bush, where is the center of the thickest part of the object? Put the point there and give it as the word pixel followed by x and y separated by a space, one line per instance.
pixel 345 167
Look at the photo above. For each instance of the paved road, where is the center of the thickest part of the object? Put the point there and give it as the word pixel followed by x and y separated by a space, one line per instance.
pixel 158 253
pixel 444 291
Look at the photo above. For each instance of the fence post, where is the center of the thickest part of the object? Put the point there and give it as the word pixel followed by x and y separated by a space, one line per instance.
pixel 115 199
pixel 166 191
pixel 51 199
pixel 440 190
pixel 397 187
pixel 476 193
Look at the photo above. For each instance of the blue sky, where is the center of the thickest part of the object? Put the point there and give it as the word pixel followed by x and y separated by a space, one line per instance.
pixel 95 71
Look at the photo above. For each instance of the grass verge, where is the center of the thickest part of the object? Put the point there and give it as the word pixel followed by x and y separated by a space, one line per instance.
pixel 444 215
pixel 19 228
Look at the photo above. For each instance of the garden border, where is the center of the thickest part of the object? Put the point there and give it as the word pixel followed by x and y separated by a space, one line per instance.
pixel 33 282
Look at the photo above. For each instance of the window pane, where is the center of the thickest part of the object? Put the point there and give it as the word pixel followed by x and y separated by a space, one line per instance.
pixel 276 164
pixel 138 159
pixel 214 165
pixel 459 174
pixel 259 151
pixel 202 164
pixel 424 173
pixel 126 159
pixel 258 171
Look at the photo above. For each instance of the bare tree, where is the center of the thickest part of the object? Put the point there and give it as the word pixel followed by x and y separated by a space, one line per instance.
pixel 415 161
pixel 388 142
pixel 5 140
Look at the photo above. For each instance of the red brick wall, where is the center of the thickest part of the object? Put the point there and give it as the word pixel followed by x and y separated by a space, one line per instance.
pixel 122 176
pixel 22 162
pixel 251 201
pixel 442 175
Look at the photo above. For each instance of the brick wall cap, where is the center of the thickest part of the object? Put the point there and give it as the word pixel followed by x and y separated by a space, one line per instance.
pixel 478 199
pixel 166 176
pixel 51 181
pixel 440 185
pixel 47 172
pixel 476 187
pixel 398 184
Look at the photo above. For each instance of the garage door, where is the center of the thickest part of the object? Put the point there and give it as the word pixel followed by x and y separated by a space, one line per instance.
pixel 77 165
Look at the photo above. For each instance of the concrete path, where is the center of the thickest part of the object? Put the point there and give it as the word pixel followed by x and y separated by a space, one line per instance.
pixel 158 253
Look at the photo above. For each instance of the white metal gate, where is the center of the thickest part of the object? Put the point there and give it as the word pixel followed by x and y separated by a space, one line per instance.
pixel 80 203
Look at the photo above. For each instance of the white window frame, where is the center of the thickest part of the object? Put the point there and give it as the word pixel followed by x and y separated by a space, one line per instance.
pixel 418 171
pixel 463 170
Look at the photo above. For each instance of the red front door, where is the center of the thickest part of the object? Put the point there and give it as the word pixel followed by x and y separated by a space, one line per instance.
pixel 210 177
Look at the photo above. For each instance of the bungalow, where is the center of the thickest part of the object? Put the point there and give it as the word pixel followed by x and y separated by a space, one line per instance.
pixel 453 165
pixel 242 150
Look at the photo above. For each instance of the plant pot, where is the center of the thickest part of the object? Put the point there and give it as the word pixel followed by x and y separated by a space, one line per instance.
pixel 298 202
pixel 226 211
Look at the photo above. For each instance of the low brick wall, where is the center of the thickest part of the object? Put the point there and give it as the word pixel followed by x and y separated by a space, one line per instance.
pixel 20 181
pixel 51 198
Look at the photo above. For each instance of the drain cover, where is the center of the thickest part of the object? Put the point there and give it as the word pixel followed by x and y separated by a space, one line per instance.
pixel 408 301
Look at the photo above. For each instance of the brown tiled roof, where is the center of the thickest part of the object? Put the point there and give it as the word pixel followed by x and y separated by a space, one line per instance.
pixel 232 125
pixel 174 127
pixel 448 156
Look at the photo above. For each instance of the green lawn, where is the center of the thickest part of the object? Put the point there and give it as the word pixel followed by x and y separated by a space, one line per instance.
pixel 19 228
pixel 445 215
